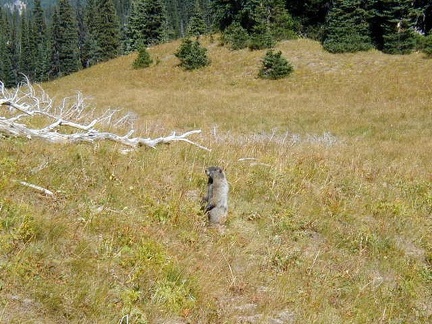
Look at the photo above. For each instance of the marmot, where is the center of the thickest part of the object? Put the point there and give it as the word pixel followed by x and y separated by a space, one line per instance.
pixel 217 196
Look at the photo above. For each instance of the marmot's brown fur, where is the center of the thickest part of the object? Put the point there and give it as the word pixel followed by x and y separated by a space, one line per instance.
pixel 217 196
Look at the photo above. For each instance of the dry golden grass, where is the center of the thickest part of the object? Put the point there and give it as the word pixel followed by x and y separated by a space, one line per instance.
pixel 330 201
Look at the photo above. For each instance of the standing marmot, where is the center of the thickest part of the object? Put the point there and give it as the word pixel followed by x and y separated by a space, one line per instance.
pixel 217 196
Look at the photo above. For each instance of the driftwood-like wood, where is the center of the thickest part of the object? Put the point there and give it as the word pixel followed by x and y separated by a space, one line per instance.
pixel 37 188
pixel 26 106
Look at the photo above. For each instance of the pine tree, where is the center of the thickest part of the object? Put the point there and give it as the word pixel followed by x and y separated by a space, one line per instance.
pixel 122 8
pixel 266 21
pixel 82 32
pixel 42 46
pixel 426 10
pixel 197 25
pixel 236 36
pixel 156 24
pixel 136 25
pixel 90 50
pixel 347 29
pixel 7 75
pixel 310 16
pixel 259 21
pixel 143 60
pixel 179 15
pixel 147 23
pixel 392 25
pixel 55 68
pixel 39 21
pixel 398 31
pixel 423 9
pixel 65 56
pixel 27 57
pixel 14 43
pixel 174 18
pixel 192 55
pixel 226 12
pixel 281 22
pixel 106 30
pixel 3 46
pixel 275 66
pixel 427 46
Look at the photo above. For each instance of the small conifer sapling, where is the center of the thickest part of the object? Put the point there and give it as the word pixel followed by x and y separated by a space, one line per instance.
pixel 275 66
pixel 192 55
pixel 143 60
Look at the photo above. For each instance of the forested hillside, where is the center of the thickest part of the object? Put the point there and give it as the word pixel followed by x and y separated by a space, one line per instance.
pixel 45 40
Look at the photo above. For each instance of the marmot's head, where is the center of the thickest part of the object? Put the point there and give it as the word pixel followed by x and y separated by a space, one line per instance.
pixel 214 172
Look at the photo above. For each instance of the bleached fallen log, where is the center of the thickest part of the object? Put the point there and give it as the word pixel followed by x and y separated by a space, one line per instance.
pixel 51 135
pixel 25 103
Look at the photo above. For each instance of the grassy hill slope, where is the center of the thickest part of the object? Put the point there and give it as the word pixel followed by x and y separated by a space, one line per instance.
pixel 330 203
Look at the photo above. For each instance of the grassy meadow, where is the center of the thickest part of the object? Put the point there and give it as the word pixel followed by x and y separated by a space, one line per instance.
pixel 330 196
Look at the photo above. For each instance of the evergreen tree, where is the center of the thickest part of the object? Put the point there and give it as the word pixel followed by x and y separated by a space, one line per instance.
pixel 392 25
pixel 310 16
pixel 281 22
pixel 82 32
pixel 428 19
pixel 7 75
pixel 205 6
pixel 182 13
pixel 266 21
pixel 156 22
pixel 197 25
pixel 257 14
pixel 174 19
pixel 27 58
pixel 14 43
pixel 236 36
pixel 91 48
pixel 122 8
pixel 275 66
pixel 42 46
pixel 143 60
pixel 6 69
pixel 192 55
pixel 424 13
pixel 55 68
pixel 427 46
pixel 347 29
pixel 65 56
pixel 136 25
pixel 147 23
pixel 39 22
pixel 3 45
pixel 226 12
pixel 106 30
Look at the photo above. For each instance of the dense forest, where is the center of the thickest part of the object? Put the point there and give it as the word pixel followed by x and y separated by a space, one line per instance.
pixel 45 40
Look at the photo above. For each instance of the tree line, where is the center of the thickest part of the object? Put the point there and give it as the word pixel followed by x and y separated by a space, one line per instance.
pixel 45 43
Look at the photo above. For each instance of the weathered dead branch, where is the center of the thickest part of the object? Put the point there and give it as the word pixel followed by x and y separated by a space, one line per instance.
pixel 33 114
pixel 37 188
